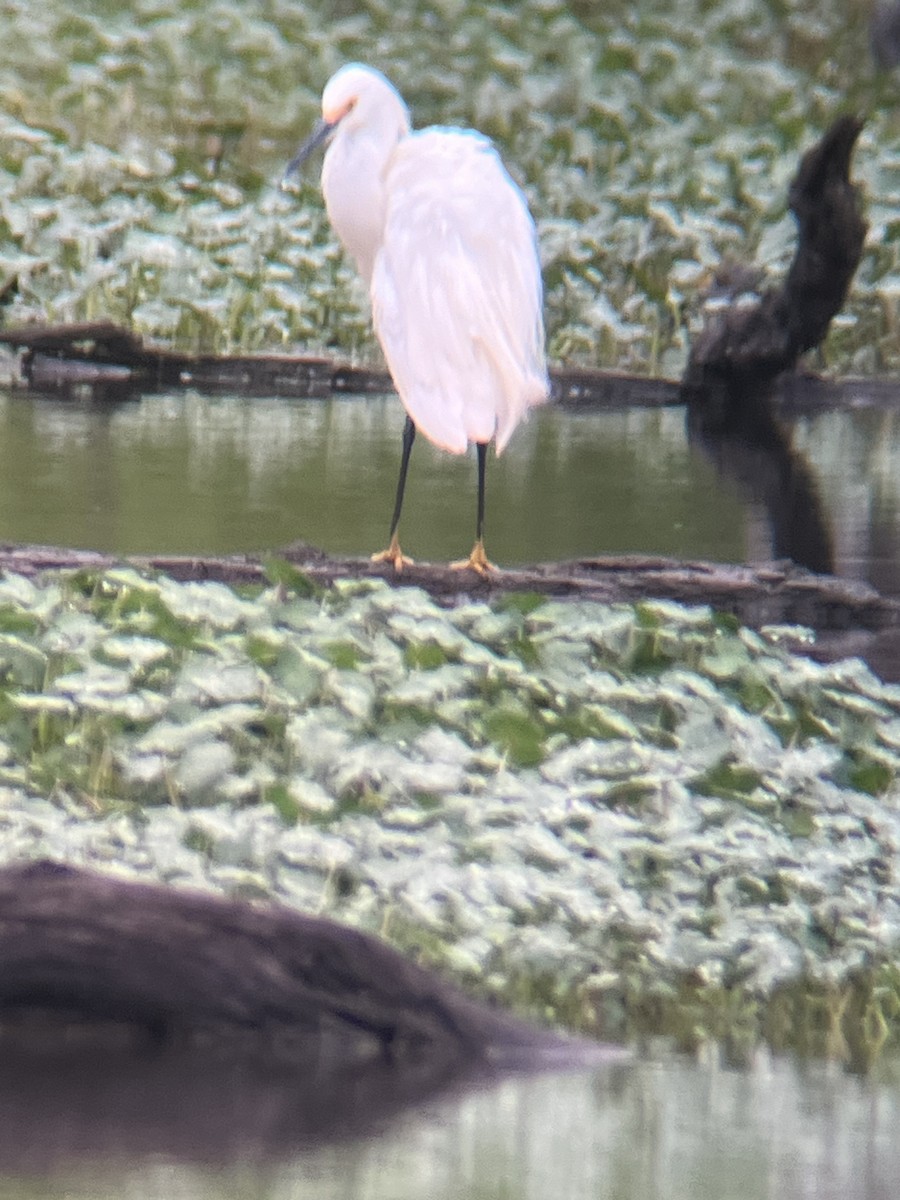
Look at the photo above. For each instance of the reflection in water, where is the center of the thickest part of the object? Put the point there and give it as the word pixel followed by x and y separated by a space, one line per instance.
pixel 857 457
pixel 82 1099
pixel 733 423
pixel 654 1129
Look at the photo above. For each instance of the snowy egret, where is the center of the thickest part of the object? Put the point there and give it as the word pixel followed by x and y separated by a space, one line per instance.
pixel 444 239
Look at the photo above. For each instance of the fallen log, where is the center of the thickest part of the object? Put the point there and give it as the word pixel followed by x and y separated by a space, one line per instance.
pixel 770 593
pixel 83 355
pixel 849 617
pixel 116 363
pixel 138 1019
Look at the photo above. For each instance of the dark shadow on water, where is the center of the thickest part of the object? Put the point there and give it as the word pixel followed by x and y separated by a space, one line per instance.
pixel 734 425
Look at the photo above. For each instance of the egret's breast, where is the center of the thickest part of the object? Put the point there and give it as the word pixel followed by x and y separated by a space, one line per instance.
pixel 353 186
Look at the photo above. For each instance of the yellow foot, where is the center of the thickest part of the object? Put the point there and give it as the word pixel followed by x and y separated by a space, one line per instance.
pixel 477 561
pixel 393 554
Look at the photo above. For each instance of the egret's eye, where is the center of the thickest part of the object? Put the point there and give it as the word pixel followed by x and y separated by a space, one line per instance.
pixel 337 115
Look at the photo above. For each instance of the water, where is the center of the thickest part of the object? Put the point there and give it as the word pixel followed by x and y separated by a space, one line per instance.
pixel 658 1128
pixel 199 474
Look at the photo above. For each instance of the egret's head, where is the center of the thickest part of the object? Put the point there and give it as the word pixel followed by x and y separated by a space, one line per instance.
pixel 356 97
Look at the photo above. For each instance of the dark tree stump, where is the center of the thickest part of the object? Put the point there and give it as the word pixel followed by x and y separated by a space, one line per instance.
pixel 759 341
pixel 729 381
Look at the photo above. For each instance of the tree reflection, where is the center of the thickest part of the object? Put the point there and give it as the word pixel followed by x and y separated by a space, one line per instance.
pixel 733 423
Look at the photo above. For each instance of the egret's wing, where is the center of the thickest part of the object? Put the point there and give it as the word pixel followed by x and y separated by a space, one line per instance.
pixel 456 291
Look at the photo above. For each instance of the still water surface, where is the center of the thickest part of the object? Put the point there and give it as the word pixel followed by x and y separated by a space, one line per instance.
pixel 199 474
pixel 659 1128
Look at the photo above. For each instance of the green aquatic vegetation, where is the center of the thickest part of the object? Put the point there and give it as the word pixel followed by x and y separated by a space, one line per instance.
pixel 141 149
pixel 345 655
pixel 853 1022
pixel 516 732
pixel 200 841
pixel 424 656
pixel 795 818
pixel 869 774
pixel 632 792
pixel 728 780
pixel 12 621
pixel 283 574
pixel 21 663
pixel 138 609
pixel 280 798
pixel 524 603
pixel 578 721
pixel 697 836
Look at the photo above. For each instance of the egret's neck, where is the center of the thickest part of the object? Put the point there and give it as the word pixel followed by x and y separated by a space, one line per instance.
pixel 353 183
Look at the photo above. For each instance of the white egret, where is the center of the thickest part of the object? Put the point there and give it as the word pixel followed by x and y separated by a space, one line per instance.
pixel 444 239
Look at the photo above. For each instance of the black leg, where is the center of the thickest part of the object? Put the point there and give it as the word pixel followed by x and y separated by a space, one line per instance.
pixel 478 560
pixel 481 447
pixel 393 553
pixel 409 436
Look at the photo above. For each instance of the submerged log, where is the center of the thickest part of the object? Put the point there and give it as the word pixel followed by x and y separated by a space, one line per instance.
pixel 182 965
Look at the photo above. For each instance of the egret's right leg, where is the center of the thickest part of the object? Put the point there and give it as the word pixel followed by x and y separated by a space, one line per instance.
pixel 393 553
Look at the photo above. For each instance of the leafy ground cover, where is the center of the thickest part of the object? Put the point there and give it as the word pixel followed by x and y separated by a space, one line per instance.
pixel 141 147
pixel 615 816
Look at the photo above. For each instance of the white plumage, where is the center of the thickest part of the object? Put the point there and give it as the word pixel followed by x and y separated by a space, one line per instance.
pixel 444 239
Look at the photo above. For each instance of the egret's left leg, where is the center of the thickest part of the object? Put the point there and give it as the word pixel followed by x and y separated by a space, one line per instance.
pixel 478 560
